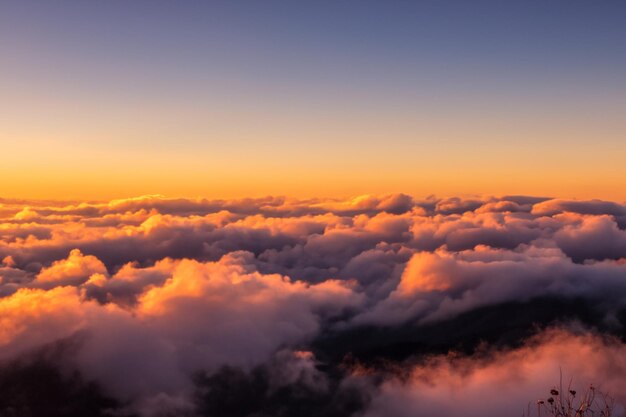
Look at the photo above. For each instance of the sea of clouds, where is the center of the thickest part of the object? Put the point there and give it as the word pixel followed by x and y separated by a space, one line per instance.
pixel 376 306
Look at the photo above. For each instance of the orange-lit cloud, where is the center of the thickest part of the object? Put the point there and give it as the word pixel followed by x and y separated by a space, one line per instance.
pixel 507 383
pixel 218 288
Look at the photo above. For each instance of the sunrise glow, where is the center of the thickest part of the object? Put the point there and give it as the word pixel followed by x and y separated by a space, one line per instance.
pixel 312 209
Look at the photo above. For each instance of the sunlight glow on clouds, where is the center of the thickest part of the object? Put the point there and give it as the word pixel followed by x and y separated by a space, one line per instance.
pixel 211 287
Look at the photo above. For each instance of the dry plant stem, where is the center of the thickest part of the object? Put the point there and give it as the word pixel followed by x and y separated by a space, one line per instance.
pixel 568 403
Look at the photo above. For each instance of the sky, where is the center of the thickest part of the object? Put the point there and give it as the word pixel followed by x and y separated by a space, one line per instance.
pixel 115 99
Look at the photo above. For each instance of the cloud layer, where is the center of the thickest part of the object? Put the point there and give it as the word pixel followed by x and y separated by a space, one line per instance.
pixel 161 303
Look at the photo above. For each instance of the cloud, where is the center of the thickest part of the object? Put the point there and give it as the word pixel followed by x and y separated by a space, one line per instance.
pixel 74 270
pixel 440 285
pixel 504 383
pixel 162 299
pixel 593 237
pixel 591 207
pixel 204 316
pixel 30 318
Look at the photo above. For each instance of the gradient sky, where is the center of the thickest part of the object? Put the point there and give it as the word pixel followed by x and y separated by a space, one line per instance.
pixel 328 98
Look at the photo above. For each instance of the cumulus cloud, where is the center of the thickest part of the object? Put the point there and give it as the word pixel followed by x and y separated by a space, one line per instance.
pixel 505 383
pixel 439 285
pixel 203 316
pixel 163 299
pixel 74 270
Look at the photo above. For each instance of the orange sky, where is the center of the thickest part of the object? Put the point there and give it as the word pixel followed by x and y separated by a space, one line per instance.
pixel 417 101
pixel 56 171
